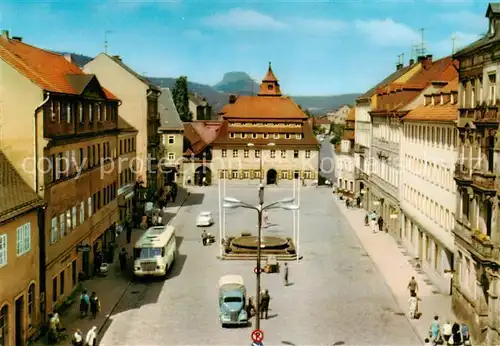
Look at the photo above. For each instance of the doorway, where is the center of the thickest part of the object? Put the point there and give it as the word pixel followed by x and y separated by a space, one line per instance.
pixel 19 314
pixel 271 177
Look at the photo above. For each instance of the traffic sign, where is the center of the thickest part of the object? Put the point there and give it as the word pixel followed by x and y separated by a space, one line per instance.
pixel 257 344
pixel 257 336
pixel 256 270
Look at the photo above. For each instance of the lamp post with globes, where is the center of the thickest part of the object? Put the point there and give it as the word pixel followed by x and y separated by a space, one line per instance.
pixel 260 158
pixel 285 203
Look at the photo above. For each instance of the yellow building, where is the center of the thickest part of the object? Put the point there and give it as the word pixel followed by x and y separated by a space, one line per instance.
pixel 21 210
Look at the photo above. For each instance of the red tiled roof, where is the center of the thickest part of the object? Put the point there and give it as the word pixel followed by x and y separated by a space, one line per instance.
pixel 451 86
pixel 46 69
pixel 321 121
pixel 446 112
pixel 263 107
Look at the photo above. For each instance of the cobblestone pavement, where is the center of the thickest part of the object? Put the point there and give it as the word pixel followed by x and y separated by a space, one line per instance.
pixel 111 288
pixel 336 297
pixel 396 269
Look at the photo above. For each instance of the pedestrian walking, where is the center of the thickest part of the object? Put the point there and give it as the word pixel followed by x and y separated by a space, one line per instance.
pixel 91 338
pixel 84 304
pixel 447 332
pixel 265 217
pixel 286 274
pixel 77 339
pixel 358 201
pixel 413 287
pixel 95 305
pixel 374 222
pixel 129 234
pixel 465 334
pixel 123 259
pixel 380 224
pixel 264 304
pixel 434 331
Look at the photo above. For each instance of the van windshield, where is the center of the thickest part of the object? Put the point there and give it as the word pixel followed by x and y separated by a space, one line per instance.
pixel 148 252
pixel 232 300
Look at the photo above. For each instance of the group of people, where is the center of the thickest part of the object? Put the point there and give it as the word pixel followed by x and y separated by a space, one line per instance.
pixel 89 302
pixel 451 334
pixel 90 338
pixel 265 298
pixel 376 222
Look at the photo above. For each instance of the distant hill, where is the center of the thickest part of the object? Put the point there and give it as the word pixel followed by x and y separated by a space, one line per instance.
pixel 240 83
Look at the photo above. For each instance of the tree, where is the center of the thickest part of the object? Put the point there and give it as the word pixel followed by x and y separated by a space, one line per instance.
pixel 306 112
pixel 181 98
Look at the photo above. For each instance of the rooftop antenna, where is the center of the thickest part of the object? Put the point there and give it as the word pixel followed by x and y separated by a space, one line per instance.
pixel 453 41
pixel 106 32
pixel 421 49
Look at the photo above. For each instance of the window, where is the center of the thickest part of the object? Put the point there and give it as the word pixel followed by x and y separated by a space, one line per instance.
pixel 284 174
pixel 82 212
pixel 256 174
pixel 91 114
pixel 243 135
pixel 245 153
pixel 61 283
pixel 273 154
pixel 53 230
pixel 235 153
pixel 68 115
pixel 307 174
pixel 254 135
pixel 234 174
pixel 298 136
pixel 62 223
pixel 73 272
pixel 493 88
pixel 23 237
pixel 80 112
pixel 224 153
pixel 171 139
pixel 283 154
pixel 31 301
pixel 54 289
pixel 257 153
pixel 68 221
pixel 89 202
pixel 266 135
pixel 246 174
pixel 3 250
pixel 73 212
pixel 4 324
pixel 287 136
pixel 308 154
pixel 98 109
pixel 171 156
pixel 232 135
pixel 295 154
pixel 276 136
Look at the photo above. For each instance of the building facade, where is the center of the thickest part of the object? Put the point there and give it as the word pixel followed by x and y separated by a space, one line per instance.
pixel 59 129
pixel 344 157
pixel 265 138
pixel 139 109
pixel 172 139
pixel 21 222
pixel 339 115
pixel 126 146
pixel 363 131
pixel 477 231
pixel 427 194
pixel 394 101
pixel 199 108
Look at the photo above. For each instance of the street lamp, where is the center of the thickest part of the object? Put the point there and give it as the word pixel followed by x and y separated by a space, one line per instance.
pixel 260 157
pixel 285 203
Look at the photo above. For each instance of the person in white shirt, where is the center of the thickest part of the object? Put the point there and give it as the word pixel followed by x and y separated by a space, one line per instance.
pixel 91 338
pixel 447 332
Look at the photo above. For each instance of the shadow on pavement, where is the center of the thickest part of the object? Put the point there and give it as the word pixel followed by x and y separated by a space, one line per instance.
pixel 180 260
pixel 194 199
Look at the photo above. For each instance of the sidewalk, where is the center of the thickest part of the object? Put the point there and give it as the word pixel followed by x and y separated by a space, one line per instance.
pixel 394 266
pixel 109 289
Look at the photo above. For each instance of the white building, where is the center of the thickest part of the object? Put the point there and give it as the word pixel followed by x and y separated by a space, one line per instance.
pixel 344 157
pixel 427 194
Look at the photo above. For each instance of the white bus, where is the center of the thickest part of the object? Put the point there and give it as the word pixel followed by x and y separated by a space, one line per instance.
pixel 155 252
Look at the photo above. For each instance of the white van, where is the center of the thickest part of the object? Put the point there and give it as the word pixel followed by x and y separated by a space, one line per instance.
pixel 155 252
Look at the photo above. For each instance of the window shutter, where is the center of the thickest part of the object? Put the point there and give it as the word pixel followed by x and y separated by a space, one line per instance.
pixel 19 240
pixel 3 248
pixel 27 237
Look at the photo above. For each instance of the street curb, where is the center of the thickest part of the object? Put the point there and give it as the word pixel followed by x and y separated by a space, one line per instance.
pixel 127 286
pixel 391 290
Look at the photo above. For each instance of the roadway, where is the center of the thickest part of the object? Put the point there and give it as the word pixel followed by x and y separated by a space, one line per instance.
pixel 327 159
pixel 336 297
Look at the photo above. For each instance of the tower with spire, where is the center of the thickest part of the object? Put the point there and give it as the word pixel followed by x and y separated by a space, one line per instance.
pixel 270 85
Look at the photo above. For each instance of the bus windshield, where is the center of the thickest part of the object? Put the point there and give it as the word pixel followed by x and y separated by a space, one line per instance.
pixel 148 252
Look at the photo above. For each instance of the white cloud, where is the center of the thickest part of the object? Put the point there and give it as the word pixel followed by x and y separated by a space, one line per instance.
pixel 387 32
pixel 446 46
pixel 318 26
pixel 195 35
pixel 466 19
pixel 238 18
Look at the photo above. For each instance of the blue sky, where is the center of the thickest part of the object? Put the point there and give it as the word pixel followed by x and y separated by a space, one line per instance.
pixel 316 47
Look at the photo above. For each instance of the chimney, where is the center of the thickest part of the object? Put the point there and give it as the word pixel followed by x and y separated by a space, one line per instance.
pixel 17 38
pixel 68 57
pixel 399 67
pixel 421 58
pixel 5 34
pixel 232 99
pixel 117 57
pixel 427 62
pixel 412 61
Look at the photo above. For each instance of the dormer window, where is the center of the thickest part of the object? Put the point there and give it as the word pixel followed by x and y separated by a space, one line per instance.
pixel 287 136
pixel 432 100
pixel 254 135
pixel 266 135
pixel 269 87
pixel 452 98
pixel 243 135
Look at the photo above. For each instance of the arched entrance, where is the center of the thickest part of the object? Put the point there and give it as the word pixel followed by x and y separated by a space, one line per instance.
pixel 271 177
pixel 200 173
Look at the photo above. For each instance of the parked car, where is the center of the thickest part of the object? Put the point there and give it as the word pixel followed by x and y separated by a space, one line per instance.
pixel 204 219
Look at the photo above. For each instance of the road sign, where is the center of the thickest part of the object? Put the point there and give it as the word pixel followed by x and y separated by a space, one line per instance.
pixel 256 270
pixel 257 336
pixel 257 344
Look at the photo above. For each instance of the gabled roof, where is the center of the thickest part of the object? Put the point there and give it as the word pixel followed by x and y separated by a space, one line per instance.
pixel 169 117
pixel 143 79
pixel 270 77
pixel 197 100
pixel 50 71
pixel 16 196
pixel 200 134
pixel 262 107
pixel 392 77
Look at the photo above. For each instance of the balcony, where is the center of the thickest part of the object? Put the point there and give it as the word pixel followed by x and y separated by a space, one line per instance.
pixel 483 247
pixel 483 180
pixel 359 149
pixel 360 175
pixel 462 173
